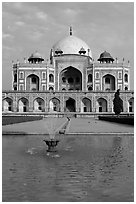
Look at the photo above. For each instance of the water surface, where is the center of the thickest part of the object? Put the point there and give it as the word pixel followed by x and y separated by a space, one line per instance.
pixel 85 168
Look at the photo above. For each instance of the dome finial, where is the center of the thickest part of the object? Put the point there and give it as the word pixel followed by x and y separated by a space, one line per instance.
pixel 70 30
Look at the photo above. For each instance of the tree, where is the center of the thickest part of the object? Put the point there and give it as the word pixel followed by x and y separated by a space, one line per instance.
pixel 118 103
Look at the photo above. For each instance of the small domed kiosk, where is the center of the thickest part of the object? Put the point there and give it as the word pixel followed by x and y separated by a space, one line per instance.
pixel 35 58
pixel 105 57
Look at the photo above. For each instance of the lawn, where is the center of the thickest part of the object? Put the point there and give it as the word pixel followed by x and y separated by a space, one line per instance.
pixel 7 120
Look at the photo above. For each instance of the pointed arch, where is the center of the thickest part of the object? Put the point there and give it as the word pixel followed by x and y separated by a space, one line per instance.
pixel 101 105
pixel 108 82
pixel 54 105
pixel 7 104
pixel 70 78
pixel 131 104
pixel 86 105
pixel 39 105
pixel 23 105
pixel 32 83
pixel 90 78
pixel 51 78
pixel 70 105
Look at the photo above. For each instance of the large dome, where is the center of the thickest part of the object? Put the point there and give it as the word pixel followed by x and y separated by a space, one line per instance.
pixel 72 45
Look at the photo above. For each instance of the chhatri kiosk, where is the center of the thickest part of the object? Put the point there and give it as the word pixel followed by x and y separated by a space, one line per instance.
pixel 71 81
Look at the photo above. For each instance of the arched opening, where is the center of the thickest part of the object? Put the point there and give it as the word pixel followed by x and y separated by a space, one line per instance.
pixel 39 105
pixel 23 105
pixel 70 79
pixel 32 83
pixel 126 78
pixel 86 105
pixel 90 88
pixel 54 105
pixel 131 105
pixel 51 88
pixel 7 105
pixel 90 78
pixel 101 105
pixel 51 78
pixel 70 105
pixel 15 77
pixel 108 82
pixel 63 89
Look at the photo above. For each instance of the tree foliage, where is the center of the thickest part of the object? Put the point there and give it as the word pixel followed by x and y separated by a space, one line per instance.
pixel 118 103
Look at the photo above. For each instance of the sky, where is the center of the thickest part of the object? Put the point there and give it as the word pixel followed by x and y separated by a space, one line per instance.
pixel 31 26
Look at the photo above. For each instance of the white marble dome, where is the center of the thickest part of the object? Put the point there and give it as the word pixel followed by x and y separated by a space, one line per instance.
pixel 72 45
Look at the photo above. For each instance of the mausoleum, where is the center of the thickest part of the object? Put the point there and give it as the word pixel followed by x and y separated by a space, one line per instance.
pixel 71 81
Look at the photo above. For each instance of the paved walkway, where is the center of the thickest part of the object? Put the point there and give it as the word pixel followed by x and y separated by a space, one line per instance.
pixel 76 125
pixel 45 126
pixel 91 125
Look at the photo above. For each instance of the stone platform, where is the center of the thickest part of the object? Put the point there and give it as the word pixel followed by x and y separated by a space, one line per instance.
pixel 75 126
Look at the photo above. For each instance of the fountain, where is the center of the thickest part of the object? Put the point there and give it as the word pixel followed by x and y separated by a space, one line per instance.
pixel 51 142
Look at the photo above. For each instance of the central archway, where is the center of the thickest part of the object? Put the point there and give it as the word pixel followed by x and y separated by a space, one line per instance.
pixel 108 82
pixel 32 83
pixel 70 105
pixel 70 79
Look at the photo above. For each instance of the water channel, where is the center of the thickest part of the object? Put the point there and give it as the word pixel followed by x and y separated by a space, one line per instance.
pixel 84 169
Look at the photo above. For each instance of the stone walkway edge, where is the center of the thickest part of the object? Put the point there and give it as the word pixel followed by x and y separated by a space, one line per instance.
pixel 68 134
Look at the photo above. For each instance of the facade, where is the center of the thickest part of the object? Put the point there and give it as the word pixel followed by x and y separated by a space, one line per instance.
pixel 71 81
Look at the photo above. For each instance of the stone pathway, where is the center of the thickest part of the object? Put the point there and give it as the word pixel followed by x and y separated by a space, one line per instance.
pixel 35 127
pixel 91 125
pixel 76 125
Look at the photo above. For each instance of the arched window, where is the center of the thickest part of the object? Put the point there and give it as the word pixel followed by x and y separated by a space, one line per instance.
pixel 43 87
pixel 90 78
pixel 15 77
pixel 44 75
pixel 21 75
pixel 51 78
pixel 107 80
pixel 51 89
pixel 63 89
pixel 90 88
pixel 126 88
pixel 126 77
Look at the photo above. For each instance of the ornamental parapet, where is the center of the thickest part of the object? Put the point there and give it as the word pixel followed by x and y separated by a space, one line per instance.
pixel 109 65
pixel 67 92
pixel 39 65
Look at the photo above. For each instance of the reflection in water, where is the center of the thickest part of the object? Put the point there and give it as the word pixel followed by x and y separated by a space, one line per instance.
pixel 89 168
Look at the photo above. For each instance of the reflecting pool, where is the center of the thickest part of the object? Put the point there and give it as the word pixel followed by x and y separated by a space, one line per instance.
pixel 85 169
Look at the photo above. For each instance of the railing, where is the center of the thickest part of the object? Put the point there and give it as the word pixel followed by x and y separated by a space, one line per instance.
pixel 39 65
pixel 111 65
pixel 70 91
